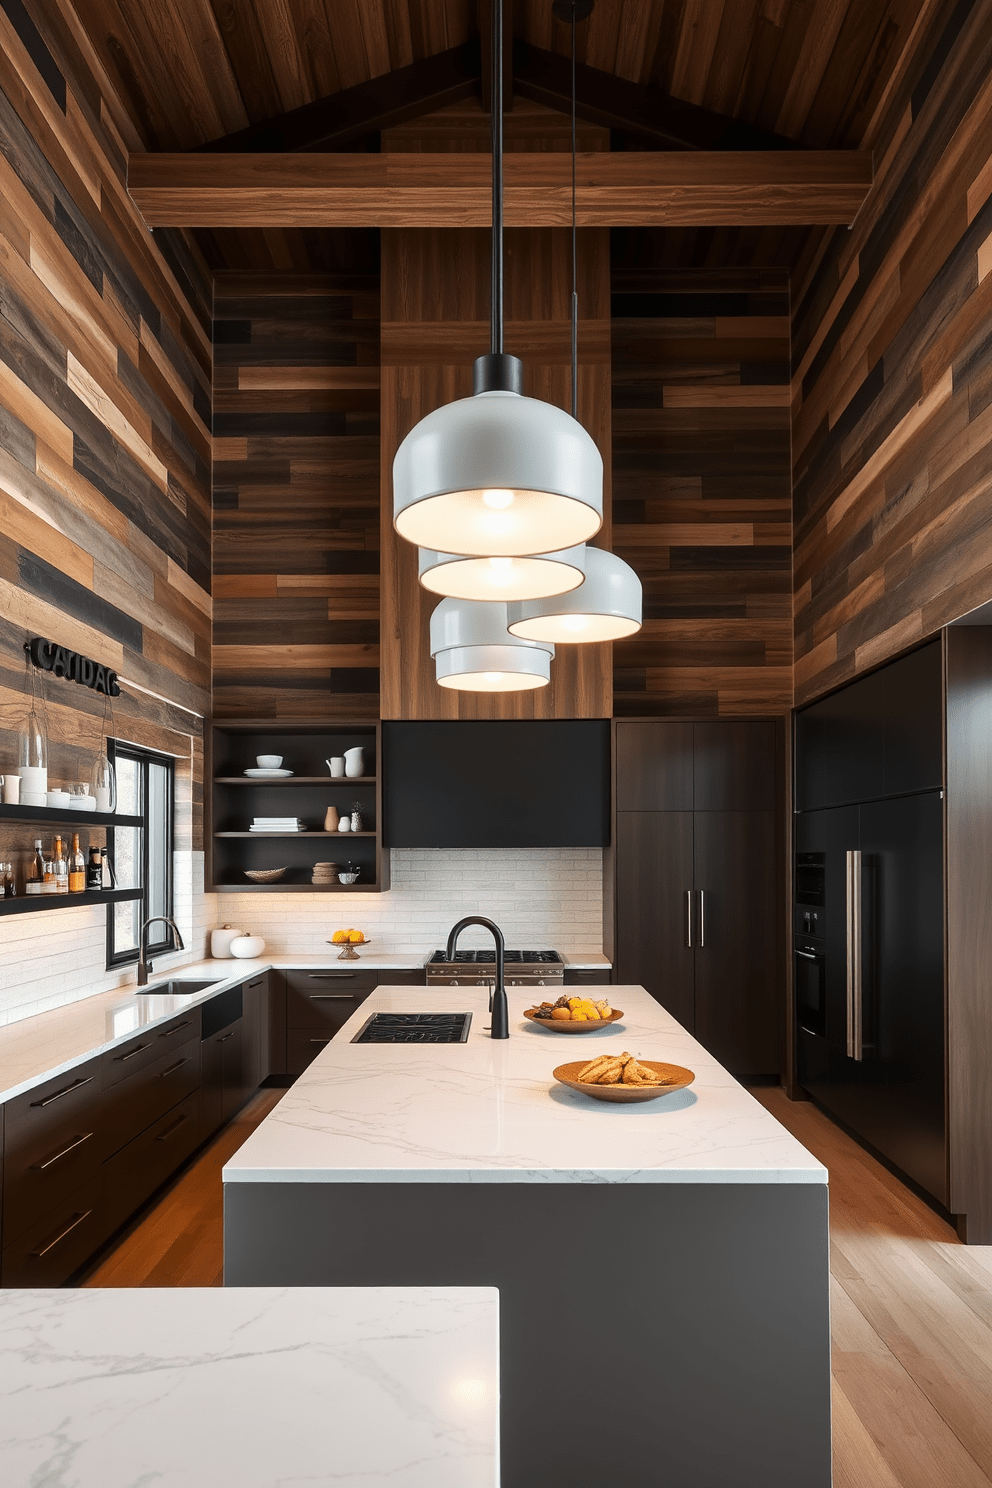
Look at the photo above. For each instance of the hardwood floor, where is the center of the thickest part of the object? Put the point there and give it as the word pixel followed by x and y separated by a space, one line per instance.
pixel 911 1311
pixel 179 1241
pixel 911 1306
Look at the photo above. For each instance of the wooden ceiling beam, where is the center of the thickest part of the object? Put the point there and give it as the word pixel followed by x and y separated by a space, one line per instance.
pixel 655 116
pixel 344 118
pixel 635 189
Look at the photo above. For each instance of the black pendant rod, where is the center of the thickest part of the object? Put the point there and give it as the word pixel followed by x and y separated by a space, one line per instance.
pixel 575 269
pixel 496 111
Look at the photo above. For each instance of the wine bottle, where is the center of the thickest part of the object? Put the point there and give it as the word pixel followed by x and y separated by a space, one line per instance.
pixel 94 870
pixel 35 875
pixel 61 867
pixel 77 868
pixel 50 883
pixel 108 878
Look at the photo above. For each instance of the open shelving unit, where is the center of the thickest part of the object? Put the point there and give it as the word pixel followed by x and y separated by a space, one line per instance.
pixel 60 819
pixel 234 799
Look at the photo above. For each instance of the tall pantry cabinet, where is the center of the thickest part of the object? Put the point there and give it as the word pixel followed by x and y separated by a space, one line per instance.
pixel 695 880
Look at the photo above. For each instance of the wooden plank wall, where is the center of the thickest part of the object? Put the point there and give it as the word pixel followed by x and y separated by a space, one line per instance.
pixel 892 379
pixel 105 368
pixel 701 485
pixel 296 496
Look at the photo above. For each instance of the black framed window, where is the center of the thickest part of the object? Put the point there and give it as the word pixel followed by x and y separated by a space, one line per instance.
pixel 141 856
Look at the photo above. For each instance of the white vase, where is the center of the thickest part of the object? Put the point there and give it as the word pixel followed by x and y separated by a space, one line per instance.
pixel 247 947
pixel 221 941
pixel 354 762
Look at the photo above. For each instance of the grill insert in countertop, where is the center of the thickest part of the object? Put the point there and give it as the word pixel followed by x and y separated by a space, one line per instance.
pixel 414 1028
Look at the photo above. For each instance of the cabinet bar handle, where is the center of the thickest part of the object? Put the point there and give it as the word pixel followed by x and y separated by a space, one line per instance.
pixel 333 996
pixel 854 1032
pixel 77 1219
pixel 76 1085
pixel 330 976
pixel 227 1036
pixel 164 1136
pixel 320 1040
pixel 688 917
pixel 187 1024
pixel 702 919
pixel 173 1067
pixel 123 1058
pixel 807 955
pixel 40 1167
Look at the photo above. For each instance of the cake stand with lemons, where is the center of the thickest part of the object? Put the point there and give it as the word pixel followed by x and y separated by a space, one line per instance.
pixel 348 940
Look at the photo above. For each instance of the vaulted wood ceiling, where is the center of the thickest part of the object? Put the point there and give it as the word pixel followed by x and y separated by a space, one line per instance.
pixel 191 71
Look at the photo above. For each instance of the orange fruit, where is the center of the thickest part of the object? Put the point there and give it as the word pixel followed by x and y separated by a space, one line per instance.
pixel 562 1015
pixel 339 936
pixel 356 937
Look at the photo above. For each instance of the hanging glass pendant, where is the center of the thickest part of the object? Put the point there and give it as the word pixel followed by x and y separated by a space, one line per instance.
pixel 606 607
pixel 32 757
pixel 461 577
pixel 474 653
pixel 104 783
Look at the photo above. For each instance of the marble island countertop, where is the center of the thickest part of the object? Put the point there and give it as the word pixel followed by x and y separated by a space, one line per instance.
pixel 49 1043
pixel 490 1112
pixel 252 1387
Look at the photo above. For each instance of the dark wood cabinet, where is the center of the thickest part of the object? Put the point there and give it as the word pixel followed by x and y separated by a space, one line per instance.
pixel 318 1003
pixel 222 1084
pixel 56 1137
pixel 698 892
pixel 58 1243
pixel 258 1033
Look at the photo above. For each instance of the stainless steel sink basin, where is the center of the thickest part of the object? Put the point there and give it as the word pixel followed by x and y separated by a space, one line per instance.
pixel 178 987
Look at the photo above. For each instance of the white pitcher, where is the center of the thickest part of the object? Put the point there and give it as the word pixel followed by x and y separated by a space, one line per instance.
pixel 354 762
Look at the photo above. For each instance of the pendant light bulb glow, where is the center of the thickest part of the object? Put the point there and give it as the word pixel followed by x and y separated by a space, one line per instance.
pixel 462 577
pixel 474 653
pixel 607 607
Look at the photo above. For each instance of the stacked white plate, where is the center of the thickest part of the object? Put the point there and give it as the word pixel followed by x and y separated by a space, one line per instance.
pixel 269 774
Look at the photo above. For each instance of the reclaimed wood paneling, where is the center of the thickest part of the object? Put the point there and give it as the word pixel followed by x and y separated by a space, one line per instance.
pixel 105 368
pixel 742 188
pixel 701 489
pixel 892 389
pixel 438 283
pixel 296 496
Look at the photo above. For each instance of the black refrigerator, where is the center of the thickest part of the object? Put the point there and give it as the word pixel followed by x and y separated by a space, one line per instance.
pixel 869 912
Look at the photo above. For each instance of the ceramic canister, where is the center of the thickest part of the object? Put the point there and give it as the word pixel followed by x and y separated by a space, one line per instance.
pixel 247 947
pixel 220 941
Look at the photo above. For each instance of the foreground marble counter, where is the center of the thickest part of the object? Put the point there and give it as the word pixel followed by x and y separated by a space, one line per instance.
pixel 671 1257
pixel 254 1388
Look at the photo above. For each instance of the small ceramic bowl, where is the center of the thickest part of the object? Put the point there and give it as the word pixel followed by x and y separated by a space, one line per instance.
pixel 347 878
pixel 268 761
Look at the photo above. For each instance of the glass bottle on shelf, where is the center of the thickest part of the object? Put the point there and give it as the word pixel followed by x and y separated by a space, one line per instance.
pixel 49 883
pixel 61 867
pixel 35 875
pixel 104 783
pixel 108 878
pixel 77 868
pixel 94 870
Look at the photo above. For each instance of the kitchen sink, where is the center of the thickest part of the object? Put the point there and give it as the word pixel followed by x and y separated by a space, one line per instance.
pixel 414 1028
pixel 178 987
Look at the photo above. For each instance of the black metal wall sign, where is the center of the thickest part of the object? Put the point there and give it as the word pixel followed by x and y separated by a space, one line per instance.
pixel 75 668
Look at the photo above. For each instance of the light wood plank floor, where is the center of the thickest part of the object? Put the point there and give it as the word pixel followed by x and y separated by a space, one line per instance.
pixel 911 1322
pixel 911 1306
pixel 179 1242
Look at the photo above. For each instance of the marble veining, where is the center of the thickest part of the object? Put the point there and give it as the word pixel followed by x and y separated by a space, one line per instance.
pixel 356 1387
pixel 490 1112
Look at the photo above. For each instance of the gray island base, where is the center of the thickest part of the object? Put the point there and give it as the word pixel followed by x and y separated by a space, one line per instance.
pixel 662 1268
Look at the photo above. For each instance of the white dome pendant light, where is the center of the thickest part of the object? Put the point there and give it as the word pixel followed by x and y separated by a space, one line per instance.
pixel 474 653
pixel 606 607
pixel 502 578
pixel 497 474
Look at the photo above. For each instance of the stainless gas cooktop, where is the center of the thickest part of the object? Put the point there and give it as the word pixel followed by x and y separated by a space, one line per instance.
pixel 477 969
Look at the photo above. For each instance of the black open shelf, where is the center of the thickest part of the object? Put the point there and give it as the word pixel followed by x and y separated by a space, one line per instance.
pixel 31 903
pixel 62 816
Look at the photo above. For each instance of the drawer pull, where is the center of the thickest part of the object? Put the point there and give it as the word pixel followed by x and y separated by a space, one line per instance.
pixel 333 996
pixel 320 1040
pixel 227 1036
pixel 167 1033
pixel 77 1219
pixel 40 1167
pixel 253 985
pixel 76 1085
pixel 173 1067
pixel 331 976
pixel 164 1136
pixel 123 1058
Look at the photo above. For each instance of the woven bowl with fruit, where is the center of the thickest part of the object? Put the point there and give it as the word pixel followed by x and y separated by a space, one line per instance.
pixel 573 1015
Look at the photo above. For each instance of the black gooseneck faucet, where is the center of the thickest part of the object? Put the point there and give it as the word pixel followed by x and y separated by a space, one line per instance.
pixel 497 999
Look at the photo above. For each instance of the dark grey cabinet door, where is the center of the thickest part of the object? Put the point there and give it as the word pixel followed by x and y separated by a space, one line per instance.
pixel 733 764
pixel 654 766
pixel 913 757
pixel 737 956
pixel 839 747
pixel 653 885
pixel 902 1070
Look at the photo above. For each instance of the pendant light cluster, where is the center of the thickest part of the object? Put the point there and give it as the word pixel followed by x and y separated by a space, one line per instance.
pixel 500 493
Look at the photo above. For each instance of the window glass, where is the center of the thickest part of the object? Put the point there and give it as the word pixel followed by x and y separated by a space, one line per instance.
pixel 141 856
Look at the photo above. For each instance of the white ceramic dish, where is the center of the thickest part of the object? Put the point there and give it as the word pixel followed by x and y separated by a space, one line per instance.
pixel 269 774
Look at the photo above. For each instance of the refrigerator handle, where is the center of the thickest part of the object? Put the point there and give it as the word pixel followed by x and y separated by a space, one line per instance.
pixel 688 918
pixel 702 918
pixel 854 1002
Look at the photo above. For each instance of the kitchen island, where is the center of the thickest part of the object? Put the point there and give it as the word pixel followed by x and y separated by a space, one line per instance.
pixel 662 1268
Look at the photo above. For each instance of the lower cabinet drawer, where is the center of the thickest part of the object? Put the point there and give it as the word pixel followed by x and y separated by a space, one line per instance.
pixel 135 1103
pixel 303 1045
pixel 316 998
pixel 49 1151
pixel 136 1171
pixel 588 978
pixel 58 1243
